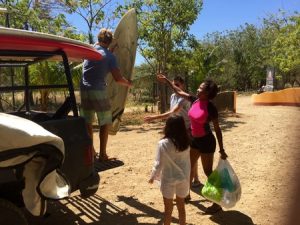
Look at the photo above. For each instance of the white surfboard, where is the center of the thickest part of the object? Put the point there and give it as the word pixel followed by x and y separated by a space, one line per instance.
pixel 125 37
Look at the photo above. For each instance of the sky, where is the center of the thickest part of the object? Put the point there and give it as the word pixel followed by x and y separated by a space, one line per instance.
pixel 222 15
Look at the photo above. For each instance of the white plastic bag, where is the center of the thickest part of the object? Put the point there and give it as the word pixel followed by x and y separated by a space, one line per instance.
pixel 223 186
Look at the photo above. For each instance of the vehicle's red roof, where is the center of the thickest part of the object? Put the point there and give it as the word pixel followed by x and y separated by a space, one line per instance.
pixel 14 39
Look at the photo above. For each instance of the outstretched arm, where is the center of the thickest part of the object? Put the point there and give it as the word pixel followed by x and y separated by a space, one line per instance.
pixel 163 115
pixel 162 78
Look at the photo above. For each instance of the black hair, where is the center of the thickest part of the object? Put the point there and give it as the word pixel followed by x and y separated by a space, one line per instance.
pixel 176 131
pixel 211 88
pixel 179 79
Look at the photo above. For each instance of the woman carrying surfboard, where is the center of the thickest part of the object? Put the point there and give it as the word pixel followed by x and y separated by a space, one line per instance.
pixel 93 89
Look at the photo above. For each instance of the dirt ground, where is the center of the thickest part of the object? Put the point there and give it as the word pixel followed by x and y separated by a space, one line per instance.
pixel 262 143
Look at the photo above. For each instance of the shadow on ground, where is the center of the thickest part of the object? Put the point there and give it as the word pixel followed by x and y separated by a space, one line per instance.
pixel 231 217
pixel 226 217
pixel 141 129
pixel 94 211
pixel 98 211
pixel 229 120
pixel 138 128
pixel 106 165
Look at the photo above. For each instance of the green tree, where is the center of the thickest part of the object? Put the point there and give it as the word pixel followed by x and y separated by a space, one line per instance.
pixel 163 28
pixel 39 16
pixel 210 57
pixel 285 49
pixel 280 33
pixel 144 85
pixel 92 12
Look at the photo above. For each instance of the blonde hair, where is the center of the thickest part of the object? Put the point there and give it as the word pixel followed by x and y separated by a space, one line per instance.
pixel 105 36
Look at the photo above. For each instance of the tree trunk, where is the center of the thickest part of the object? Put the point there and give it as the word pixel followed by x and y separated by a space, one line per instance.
pixel 162 98
pixel 90 35
pixel 31 101
pixel 1 106
pixel 44 100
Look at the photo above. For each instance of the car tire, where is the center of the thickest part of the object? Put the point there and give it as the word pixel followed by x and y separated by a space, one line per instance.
pixel 10 214
pixel 90 185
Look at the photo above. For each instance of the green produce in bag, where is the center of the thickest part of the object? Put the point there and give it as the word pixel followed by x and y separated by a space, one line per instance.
pixel 215 178
pixel 226 181
pixel 212 189
pixel 223 186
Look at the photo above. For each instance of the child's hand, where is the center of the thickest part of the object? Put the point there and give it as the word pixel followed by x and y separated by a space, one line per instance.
pixel 148 119
pixel 151 181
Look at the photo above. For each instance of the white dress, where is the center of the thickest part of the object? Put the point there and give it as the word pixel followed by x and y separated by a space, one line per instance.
pixel 172 168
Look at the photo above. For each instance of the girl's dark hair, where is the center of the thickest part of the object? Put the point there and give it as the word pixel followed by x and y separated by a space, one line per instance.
pixel 179 79
pixel 176 131
pixel 211 89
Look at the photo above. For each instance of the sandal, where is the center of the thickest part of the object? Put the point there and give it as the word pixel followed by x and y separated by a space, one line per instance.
pixel 214 208
pixel 96 155
pixel 105 158
pixel 187 199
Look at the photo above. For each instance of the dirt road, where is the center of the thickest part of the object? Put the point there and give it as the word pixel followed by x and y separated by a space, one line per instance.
pixel 263 146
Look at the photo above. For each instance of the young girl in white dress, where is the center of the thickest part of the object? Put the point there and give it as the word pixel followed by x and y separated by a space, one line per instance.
pixel 172 167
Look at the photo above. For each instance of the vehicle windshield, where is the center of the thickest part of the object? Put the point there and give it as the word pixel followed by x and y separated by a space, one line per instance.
pixel 32 83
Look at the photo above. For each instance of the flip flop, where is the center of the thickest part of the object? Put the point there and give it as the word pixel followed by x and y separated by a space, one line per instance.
pixel 96 155
pixel 187 199
pixel 105 158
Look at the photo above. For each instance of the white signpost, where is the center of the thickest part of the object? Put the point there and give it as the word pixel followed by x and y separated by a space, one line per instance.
pixel 269 80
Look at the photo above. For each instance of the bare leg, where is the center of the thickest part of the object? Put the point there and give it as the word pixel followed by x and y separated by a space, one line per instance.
pixel 196 180
pixel 194 156
pixel 181 210
pixel 103 136
pixel 207 164
pixel 196 176
pixel 207 160
pixel 168 203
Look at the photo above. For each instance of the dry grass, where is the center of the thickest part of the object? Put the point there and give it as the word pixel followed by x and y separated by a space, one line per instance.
pixel 134 113
pixel 135 116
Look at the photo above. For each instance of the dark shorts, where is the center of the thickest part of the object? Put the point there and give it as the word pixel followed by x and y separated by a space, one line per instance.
pixel 95 102
pixel 205 144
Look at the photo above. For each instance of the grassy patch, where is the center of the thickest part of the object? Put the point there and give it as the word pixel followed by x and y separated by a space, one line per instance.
pixel 135 116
